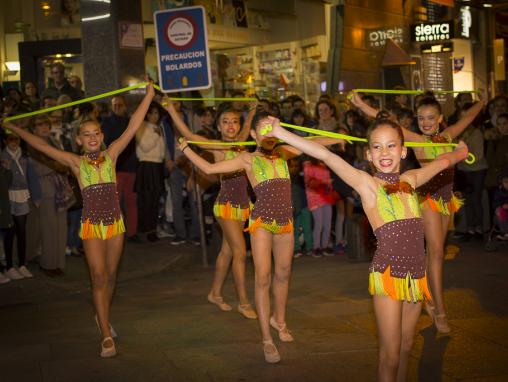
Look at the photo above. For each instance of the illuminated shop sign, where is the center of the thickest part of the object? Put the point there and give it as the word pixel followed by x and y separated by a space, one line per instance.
pixel 466 21
pixel 376 38
pixel 426 32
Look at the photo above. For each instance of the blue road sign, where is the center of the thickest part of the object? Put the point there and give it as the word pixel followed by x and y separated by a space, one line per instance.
pixel 182 49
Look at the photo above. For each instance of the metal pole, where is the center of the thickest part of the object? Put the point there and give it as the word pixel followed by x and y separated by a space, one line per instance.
pixel 202 233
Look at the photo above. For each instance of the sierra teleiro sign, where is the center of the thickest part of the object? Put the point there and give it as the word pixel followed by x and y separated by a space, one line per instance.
pixel 425 32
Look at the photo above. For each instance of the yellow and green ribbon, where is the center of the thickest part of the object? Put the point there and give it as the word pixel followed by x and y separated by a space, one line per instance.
pixel 112 93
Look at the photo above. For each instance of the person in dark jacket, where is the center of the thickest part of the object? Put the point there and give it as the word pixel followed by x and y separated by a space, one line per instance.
pixel 5 210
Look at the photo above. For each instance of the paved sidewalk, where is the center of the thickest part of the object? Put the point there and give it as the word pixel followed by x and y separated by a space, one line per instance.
pixel 169 332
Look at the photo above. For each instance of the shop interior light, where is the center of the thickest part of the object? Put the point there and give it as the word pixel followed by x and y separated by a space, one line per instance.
pixel 68 55
pixel 58 55
pixel 487 5
pixel 12 66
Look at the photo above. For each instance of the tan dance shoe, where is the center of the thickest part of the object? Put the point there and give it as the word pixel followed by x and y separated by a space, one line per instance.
pixel 108 352
pixel 284 333
pixel 247 311
pixel 219 301
pixel 271 353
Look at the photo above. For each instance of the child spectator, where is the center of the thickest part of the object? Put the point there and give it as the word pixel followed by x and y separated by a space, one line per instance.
pixel 302 218
pixel 320 198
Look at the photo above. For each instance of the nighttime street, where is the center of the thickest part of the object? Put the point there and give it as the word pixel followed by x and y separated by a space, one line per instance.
pixel 169 332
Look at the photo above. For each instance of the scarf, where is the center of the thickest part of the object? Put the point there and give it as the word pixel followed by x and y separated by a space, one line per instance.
pixel 16 156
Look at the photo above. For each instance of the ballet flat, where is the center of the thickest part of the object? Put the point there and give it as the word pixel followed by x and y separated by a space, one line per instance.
pixel 110 351
pixel 271 353
pixel 284 333
pixel 247 311
pixel 219 301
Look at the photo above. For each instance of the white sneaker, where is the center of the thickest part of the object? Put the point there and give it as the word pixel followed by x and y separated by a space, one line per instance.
pixel 25 272
pixel 68 251
pixel 13 274
pixel 4 279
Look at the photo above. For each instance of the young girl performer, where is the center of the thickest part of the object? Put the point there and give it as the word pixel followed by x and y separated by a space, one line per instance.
pixel 270 224
pixel 436 197
pixel 231 208
pixel 102 225
pixel 397 277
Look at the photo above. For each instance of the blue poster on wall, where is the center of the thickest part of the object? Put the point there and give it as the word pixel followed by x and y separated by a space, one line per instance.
pixel 182 49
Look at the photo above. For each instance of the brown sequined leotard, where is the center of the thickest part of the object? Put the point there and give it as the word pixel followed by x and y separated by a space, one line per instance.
pixel 273 208
pixel 102 217
pixel 398 267
pixel 438 192
pixel 233 201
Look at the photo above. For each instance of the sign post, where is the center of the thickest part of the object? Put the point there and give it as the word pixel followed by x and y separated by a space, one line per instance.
pixel 184 65
pixel 182 49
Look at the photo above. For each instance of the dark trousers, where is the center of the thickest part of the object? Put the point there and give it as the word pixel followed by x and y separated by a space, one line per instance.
pixel 18 230
pixel 149 187
pixel 473 192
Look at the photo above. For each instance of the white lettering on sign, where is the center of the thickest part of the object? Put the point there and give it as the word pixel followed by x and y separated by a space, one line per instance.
pixel 378 37
pixel 432 32
pixel 466 21
pixel 180 31
pixel 183 56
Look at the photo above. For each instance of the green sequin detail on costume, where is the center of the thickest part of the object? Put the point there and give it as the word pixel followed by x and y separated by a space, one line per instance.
pixel 263 168
pixel 391 207
pixel 230 154
pixel 90 174
pixel 433 152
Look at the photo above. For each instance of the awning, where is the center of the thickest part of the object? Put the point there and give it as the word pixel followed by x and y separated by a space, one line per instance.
pixel 395 55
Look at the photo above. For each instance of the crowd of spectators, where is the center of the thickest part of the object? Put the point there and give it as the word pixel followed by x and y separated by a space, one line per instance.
pixel 158 188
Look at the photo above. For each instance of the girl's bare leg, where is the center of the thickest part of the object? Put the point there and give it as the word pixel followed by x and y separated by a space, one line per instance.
pixel 433 223
pixel 114 250
pixel 389 320
pixel 261 242
pixel 283 255
pixel 95 252
pixel 410 314
pixel 233 248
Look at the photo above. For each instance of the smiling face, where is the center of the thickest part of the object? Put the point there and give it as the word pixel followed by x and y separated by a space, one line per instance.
pixel 386 149
pixel 90 136
pixel 229 125
pixel 324 112
pixel 153 116
pixel 429 119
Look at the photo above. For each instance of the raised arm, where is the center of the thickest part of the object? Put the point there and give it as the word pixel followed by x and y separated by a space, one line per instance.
pixel 116 147
pixel 63 157
pixel 423 175
pixel 222 167
pixel 355 178
pixel 180 124
pixel 457 128
pixel 371 112
pixel 244 133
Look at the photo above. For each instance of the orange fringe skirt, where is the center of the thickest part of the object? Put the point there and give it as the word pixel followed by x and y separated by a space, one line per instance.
pixel 403 289
pixel 230 212
pixel 101 231
pixel 444 208
pixel 272 227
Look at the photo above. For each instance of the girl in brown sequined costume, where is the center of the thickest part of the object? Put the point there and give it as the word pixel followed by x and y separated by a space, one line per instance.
pixel 397 273
pixel 231 208
pixel 102 223
pixel 438 201
pixel 270 225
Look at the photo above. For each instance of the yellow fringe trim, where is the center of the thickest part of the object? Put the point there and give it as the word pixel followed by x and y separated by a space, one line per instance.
pixel 444 208
pixel 101 231
pixel 227 211
pixel 406 289
pixel 272 227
